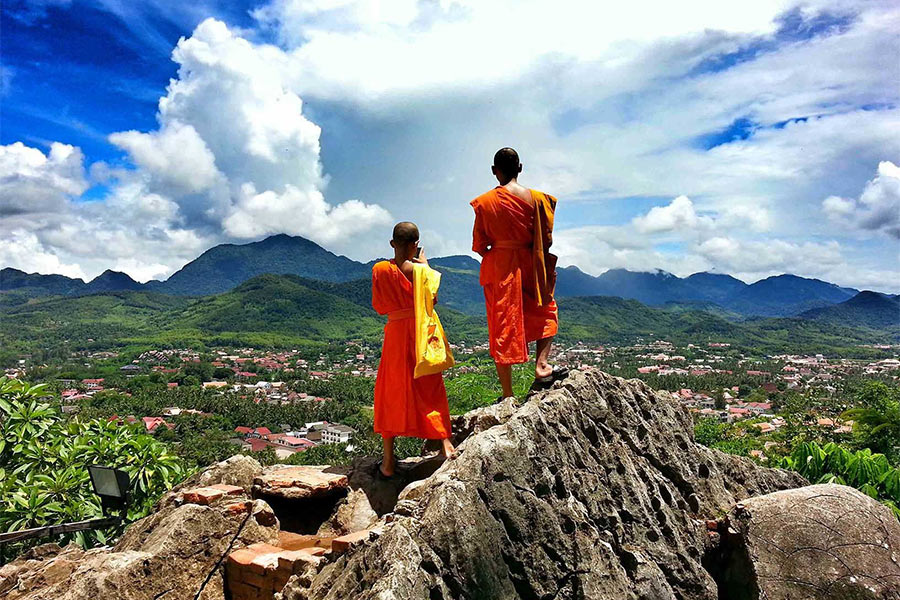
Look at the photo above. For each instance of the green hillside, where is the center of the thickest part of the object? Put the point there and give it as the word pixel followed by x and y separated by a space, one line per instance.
pixel 106 319
pixel 282 304
pixel 286 310
pixel 223 267
pixel 870 309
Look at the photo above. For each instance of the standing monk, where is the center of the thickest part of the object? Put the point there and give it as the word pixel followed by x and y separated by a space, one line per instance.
pixel 405 405
pixel 513 232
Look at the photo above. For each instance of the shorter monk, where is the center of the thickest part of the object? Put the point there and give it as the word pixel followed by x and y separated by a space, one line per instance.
pixel 404 405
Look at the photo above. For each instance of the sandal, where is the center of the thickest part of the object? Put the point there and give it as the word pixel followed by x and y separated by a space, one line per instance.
pixel 544 383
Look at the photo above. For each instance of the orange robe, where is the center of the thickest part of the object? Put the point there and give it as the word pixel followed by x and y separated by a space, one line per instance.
pixel 404 406
pixel 504 235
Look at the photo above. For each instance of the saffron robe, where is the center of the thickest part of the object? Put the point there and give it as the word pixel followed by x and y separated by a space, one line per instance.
pixel 404 405
pixel 517 271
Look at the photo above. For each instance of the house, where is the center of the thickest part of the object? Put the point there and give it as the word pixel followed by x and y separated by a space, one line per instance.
pixel 153 423
pixel 770 388
pixel 337 434
pixel 764 427
pixel 93 384
pixel 243 430
pixel 130 369
pixel 758 407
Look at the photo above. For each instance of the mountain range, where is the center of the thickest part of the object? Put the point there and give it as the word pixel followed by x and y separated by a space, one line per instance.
pixel 224 267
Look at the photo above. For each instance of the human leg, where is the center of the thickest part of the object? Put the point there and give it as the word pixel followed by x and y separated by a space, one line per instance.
pixel 504 373
pixel 542 366
pixel 387 462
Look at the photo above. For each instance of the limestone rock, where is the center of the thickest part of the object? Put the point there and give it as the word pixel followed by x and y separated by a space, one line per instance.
pixel 821 542
pixel 298 482
pixel 239 470
pixel 353 513
pixel 594 489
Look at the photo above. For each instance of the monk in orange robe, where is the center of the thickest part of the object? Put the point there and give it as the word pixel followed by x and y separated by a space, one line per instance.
pixel 513 233
pixel 404 405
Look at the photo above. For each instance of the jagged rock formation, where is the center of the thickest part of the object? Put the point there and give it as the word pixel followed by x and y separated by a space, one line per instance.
pixel 594 489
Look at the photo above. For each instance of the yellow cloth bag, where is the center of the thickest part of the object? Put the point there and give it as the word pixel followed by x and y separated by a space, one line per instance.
pixel 432 348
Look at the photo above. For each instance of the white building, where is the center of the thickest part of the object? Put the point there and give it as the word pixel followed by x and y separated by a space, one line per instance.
pixel 337 434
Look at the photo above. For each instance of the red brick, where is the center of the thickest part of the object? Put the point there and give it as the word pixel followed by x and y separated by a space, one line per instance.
pixel 230 490
pixel 204 495
pixel 238 508
pixel 243 591
pixel 314 551
pixel 263 582
pixel 242 557
pixel 295 561
pixel 339 545
pixel 295 541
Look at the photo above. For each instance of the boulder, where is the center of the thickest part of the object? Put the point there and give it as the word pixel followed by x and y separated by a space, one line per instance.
pixel 594 489
pixel 353 513
pixel 821 542
pixel 239 470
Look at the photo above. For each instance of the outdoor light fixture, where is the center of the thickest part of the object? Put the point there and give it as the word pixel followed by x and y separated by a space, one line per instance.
pixel 112 485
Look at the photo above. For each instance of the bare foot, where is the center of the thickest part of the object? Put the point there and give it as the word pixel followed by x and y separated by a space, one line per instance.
pixel 386 471
pixel 447 449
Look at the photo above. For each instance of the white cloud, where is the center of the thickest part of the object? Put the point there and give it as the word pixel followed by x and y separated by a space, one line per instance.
pixel 34 182
pixel 234 158
pixel 175 155
pixel 878 207
pixel 22 250
pixel 299 213
pixel 678 215
pixel 607 106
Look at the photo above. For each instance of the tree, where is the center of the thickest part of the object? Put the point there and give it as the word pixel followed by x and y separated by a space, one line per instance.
pixel 877 418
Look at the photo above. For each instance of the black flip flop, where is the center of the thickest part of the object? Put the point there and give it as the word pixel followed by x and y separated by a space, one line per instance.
pixel 544 383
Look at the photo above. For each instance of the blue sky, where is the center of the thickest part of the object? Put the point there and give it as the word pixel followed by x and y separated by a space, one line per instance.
pixel 753 139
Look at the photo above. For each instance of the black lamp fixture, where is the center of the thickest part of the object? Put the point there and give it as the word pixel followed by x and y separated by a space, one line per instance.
pixel 112 485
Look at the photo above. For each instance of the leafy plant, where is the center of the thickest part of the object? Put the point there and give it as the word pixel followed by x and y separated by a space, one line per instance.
pixel 869 472
pixel 43 464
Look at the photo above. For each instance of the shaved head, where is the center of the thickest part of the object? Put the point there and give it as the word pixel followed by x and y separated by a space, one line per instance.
pixel 506 161
pixel 405 233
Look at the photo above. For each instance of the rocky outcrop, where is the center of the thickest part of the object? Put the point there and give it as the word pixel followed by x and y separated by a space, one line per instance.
pixel 821 542
pixel 591 490
pixel 594 489
pixel 171 554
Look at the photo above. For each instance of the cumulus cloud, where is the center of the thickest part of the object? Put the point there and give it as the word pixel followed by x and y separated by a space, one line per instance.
pixel 234 158
pixel 747 116
pixel 876 209
pixel 174 155
pixel 34 182
pixel 677 215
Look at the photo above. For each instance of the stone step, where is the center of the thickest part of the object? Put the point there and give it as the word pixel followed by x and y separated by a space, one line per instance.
pixel 298 482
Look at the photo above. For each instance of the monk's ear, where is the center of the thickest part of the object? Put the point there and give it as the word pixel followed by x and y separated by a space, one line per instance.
pixel 393 245
pixel 519 169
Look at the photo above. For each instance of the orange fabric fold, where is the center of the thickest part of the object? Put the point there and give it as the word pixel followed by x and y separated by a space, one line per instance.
pixel 513 235
pixel 404 405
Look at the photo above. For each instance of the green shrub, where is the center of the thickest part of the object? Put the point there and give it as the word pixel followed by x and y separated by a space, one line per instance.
pixel 43 464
